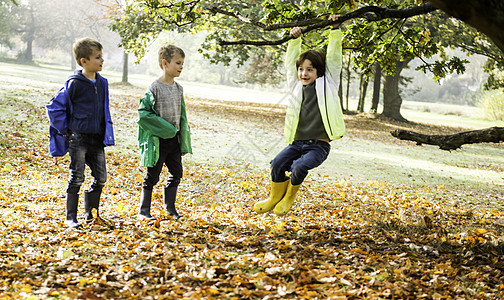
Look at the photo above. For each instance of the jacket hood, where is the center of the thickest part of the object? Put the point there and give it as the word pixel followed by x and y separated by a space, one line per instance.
pixel 79 76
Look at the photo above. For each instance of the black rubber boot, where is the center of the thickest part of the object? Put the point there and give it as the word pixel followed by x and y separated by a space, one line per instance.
pixel 91 200
pixel 169 196
pixel 145 205
pixel 72 203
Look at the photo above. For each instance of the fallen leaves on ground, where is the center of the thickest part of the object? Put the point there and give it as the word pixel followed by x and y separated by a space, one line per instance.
pixel 341 240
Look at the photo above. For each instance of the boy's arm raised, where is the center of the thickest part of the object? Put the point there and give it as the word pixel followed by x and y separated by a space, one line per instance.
pixel 334 56
pixel 291 56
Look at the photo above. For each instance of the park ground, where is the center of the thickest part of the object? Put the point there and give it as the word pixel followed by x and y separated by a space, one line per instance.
pixel 381 219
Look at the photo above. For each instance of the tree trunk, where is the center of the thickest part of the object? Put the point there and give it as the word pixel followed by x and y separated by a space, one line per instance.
pixel 348 81
pixel 392 100
pixel 376 87
pixel 363 84
pixel 340 91
pixel 453 141
pixel 222 76
pixel 30 36
pixel 29 50
pixel 125 68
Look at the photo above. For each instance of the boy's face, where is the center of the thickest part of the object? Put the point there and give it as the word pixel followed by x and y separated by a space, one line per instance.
pixel 94 63
pixel 307 74
pixel 174 67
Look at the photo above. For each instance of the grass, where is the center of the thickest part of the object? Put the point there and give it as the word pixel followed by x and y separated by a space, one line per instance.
pixel 453 119
pixel 367 153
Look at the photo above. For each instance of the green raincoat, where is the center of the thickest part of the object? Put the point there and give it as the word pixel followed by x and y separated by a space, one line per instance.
pixel 152 127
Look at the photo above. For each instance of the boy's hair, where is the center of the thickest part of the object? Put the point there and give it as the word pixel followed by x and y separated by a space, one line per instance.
pixel 167 52
pixel 317 59
pixel 83 48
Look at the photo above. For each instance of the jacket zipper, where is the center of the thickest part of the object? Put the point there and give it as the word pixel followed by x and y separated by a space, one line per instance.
pixel 97 106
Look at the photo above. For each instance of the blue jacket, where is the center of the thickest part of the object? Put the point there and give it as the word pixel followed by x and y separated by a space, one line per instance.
pixel 80 106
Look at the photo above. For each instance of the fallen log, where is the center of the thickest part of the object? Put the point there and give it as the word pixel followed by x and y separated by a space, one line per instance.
pixel 453 141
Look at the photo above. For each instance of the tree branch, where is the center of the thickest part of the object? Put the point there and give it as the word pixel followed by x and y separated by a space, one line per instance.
pixel 216 10
pixel 263 26
pixel 453 141
pixel 475 50
pixel 371 13
pixel 191 5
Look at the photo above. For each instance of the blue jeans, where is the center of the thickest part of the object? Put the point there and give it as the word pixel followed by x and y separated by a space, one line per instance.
pixel 86 149
pixel 169 155
pixel 298 158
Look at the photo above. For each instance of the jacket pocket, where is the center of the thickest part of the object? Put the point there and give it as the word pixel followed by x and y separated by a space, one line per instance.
pixel 80 123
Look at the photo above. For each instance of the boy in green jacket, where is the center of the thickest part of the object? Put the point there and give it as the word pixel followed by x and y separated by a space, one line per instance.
pixel 313 119
pixel 163 132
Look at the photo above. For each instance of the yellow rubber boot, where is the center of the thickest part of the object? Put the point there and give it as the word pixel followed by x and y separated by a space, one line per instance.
pixel 285 204
pixel 276 194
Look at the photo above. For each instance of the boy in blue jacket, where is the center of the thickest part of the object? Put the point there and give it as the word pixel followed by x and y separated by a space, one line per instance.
pixel 163 132
pixel 80 124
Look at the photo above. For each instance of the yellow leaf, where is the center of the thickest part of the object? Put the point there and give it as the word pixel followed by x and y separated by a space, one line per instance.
pixel 481 231
pixel 6 168
pixel 120 207
pixel 360 251
pixel 280 226
pixel 63 253
pixel 127 269
pixel 84 281
pixel 26 288
pixel 77 243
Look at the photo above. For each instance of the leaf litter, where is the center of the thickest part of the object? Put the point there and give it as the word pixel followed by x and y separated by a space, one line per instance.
pixel 341 240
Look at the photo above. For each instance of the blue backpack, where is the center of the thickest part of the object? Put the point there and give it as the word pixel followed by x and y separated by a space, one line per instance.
pixel 58 112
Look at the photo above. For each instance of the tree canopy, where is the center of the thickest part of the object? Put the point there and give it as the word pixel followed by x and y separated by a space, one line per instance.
pixel 377 30
pixel 385 31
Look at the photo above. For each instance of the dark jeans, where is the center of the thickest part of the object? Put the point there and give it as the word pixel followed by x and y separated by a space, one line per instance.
pixel 169 155
pixel 298 158
pixel 86 149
